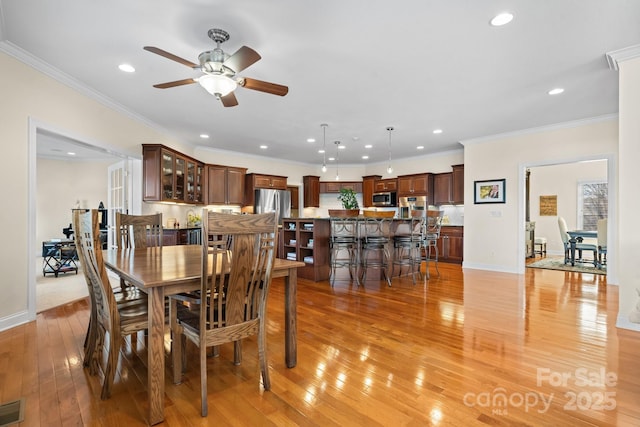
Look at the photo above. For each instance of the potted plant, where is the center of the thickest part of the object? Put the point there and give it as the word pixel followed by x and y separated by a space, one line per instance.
pixel 349 202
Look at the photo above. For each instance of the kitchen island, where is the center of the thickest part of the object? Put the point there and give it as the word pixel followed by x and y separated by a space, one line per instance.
pixel 307 240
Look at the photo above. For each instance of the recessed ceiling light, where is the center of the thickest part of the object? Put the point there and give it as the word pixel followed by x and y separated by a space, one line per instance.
pixel 311 140
pixel 437 131
pixel 331 159
pixel 127 68
pixel 71 153
pixel 556 91
pixel 321 151
pixel 501 19
pixel 204 136
pixel 368 146
pixel 420 147
pixel 263 147
pixel 365 157
pixel 341 147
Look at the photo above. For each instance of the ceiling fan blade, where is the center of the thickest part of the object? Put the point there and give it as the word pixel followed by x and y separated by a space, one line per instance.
pixel 243 57
pixel 174 84
pixel 267 87
pixel 229 100
pixel 170 56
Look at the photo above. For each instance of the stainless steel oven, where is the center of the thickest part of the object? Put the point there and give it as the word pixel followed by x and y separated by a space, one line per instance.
pixel 409 205
pixel 386 199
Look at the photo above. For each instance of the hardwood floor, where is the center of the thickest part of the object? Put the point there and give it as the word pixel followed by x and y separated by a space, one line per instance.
pixel 468 348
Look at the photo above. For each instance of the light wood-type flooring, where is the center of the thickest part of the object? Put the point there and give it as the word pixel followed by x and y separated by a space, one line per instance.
pixel 468 348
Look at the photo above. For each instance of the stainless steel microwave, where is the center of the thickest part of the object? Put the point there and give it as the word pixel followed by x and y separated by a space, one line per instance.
pixel 387 198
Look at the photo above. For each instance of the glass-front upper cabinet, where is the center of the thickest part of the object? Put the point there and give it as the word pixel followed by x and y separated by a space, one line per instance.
pixel 181 168
pixel 167 175
pixel 194 182
pixel 170 176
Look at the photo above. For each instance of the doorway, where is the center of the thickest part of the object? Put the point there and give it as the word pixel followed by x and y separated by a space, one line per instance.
pixel 561 179
pixel 60 182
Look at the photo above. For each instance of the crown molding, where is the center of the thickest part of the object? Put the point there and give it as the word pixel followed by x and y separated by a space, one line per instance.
pixel 54 73
pixel 615 57
pixel 556 126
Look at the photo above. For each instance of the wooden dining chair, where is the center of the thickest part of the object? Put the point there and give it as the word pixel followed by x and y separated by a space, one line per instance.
pixel 237 258
pixel 108 316
pixel 138 231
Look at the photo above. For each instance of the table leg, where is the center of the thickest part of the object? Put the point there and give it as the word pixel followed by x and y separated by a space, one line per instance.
pixel 290 319
pixel 156 355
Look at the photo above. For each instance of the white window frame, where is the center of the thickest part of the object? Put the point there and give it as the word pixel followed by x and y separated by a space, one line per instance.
pixel 580 200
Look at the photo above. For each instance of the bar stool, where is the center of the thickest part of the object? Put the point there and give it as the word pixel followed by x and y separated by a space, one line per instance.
pixel 374 246
pixel 407 247
pixel 430 236
pixel 343 247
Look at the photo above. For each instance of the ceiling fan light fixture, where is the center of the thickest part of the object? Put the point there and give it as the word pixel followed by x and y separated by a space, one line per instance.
pixel 217 85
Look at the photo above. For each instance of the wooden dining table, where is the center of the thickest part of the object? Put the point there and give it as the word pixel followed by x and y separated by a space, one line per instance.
pixel 169 270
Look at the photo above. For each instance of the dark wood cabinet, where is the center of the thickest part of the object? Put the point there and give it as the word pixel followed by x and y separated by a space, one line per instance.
pixel 254 181
pixel 170 176
pixel 273 182
pixel 450 244
pixel 307 240
pixel 457 184
pixel 311 191
pixel 336 186
pixel 295 196
pixel 442 183
pixel 416 185
pixel 388 184
pixel 368 187
pixel 225 185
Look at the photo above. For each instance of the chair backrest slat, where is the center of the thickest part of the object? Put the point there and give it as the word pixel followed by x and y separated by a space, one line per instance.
pixel 138 231
pixel 238 253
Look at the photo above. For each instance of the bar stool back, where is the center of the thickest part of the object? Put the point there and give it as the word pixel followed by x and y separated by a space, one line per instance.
pixel 343 246
pixel 430 236
pixel 374 246
pixel 407 247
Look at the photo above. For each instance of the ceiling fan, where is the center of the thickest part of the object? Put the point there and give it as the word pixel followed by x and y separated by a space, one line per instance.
pixel 220 70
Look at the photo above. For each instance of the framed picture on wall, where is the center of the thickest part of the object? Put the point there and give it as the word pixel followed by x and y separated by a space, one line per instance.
pixel 491 191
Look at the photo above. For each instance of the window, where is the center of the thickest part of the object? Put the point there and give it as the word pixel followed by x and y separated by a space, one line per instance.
pixel 593 202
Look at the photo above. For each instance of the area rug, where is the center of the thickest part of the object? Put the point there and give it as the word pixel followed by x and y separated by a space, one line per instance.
pixel 558 264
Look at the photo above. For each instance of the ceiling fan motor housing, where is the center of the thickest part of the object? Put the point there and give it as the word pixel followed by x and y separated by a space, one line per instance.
pixel 211 62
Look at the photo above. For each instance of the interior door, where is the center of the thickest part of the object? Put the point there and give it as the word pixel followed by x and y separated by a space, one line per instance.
pixel 119 189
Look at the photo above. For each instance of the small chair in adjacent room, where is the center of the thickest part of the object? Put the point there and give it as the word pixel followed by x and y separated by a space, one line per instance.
pixel 407 247
pixel 238 253
pixel 374 246
pixel 540 246
pixel 566 240
pixel 602 242
pixel 343 247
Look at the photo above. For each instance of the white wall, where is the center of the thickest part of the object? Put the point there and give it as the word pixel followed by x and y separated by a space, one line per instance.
pixel 58 190
pixel 629 176
pixel 562 181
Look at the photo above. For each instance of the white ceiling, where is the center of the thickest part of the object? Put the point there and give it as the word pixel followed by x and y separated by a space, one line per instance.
pixel 358 65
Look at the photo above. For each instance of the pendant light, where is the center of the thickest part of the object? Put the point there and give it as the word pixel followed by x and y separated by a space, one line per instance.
pixel 337 162
pixel 389 168
pixel 324 146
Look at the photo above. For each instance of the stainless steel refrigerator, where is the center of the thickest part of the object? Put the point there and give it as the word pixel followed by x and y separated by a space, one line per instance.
pixel 278 201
